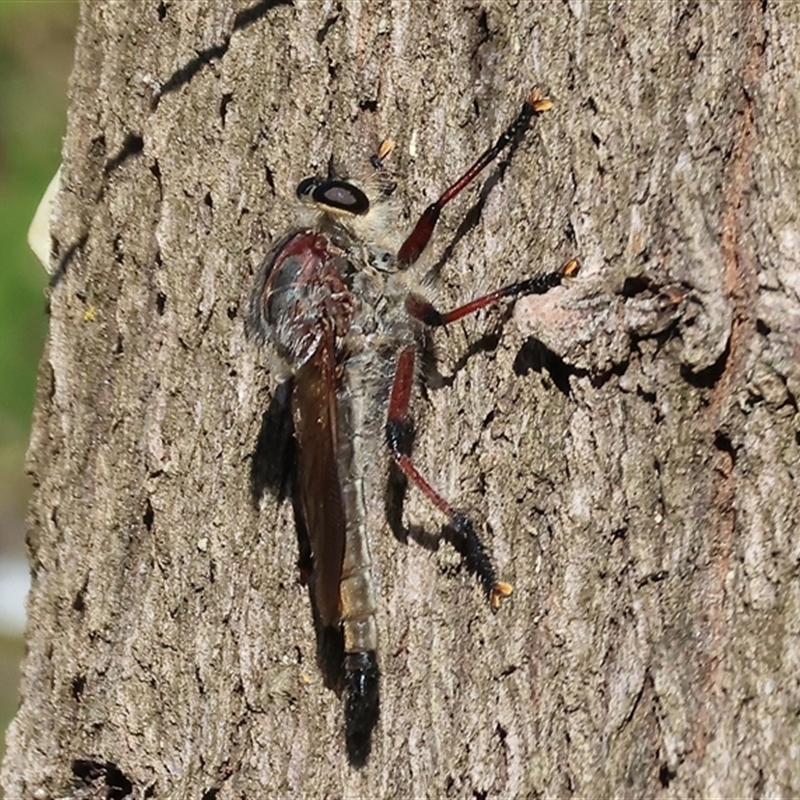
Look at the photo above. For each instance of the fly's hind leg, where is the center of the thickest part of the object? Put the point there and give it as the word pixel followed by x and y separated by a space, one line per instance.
pixel 468 543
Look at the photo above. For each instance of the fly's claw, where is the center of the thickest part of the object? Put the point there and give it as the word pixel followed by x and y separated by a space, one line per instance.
pixel 384 151
pixel 538 102
pixel 386 148
pixel 499 591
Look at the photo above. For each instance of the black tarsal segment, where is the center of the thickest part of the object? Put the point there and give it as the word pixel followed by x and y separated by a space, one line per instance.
pixel 538 285
pixel 361 678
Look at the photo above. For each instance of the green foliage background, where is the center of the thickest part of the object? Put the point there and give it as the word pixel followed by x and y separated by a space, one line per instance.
pixel 36 46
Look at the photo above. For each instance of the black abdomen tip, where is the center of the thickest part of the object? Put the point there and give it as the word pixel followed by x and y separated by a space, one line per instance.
pixel 361 704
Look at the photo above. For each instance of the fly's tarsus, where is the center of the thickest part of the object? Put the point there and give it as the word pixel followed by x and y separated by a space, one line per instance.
pixel 378 160
pixel 427 313
pixel 538 102
pixel 477 559
pixel 499 591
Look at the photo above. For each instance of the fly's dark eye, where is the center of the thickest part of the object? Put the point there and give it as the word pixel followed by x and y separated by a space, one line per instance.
pixel 307 186
pixel 341 195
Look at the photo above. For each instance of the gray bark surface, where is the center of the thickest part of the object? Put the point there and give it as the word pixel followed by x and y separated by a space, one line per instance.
pixel 637 477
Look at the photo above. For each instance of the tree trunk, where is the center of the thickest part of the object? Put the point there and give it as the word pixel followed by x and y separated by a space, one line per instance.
pixel 629 443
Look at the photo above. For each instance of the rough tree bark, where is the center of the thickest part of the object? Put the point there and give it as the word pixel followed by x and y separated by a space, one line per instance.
pixel 636 472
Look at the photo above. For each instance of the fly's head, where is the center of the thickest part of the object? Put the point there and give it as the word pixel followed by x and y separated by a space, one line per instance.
pixel 359 217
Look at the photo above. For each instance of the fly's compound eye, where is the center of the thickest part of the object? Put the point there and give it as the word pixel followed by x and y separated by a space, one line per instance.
pixel 305 189
pixel 337 195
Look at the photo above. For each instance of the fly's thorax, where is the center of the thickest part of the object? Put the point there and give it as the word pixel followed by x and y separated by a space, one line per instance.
pixel 301 296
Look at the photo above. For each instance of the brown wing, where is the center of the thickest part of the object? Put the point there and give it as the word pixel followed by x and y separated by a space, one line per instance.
pixel 314 410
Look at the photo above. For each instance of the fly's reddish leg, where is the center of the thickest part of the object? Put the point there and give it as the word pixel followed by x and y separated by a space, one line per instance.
pixel 399 423
pixel 426 312
pixel 418 239
pixel 397 428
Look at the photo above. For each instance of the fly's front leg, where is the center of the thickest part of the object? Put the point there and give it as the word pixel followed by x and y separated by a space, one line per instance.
pixel 398 427
pixel 418 239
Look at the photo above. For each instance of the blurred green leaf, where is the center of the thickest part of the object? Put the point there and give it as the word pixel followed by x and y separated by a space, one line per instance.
pixel 36 46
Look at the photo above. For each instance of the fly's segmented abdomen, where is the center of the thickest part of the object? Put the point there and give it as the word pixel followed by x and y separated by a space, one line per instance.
pixel 357 476
pixel 361 486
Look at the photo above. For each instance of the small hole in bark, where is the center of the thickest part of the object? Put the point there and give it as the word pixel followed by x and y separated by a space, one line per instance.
pixel 323 31
pixel 78 684
pixel 665 775
pixel 223 106
pixel 635 285
pixel 723 443
pixel 148 515
pixel 105 780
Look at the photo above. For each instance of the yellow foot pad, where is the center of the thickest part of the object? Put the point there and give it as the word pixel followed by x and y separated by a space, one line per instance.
pixel 539 102
pixel 570 269
pixel 384 151
pixel 499 591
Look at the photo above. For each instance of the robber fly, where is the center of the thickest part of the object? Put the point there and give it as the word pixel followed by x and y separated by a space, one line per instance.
pixel 336 299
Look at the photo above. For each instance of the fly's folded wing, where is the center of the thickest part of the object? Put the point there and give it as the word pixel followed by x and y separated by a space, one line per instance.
pixel 314 410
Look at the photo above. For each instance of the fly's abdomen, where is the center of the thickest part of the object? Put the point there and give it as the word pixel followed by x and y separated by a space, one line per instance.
pixel 356 595
pixel 361 678
pixel 361 481
pixel 361 674
pixel 358 612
